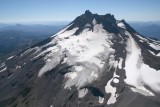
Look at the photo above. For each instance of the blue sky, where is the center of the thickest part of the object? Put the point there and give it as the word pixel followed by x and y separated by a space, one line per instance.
pixel 67 10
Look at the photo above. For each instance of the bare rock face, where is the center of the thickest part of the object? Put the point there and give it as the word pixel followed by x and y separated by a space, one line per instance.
pixel 95 61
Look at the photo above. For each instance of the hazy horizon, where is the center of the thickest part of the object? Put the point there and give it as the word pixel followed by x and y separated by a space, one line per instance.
pixel 54 23
pixel 18 11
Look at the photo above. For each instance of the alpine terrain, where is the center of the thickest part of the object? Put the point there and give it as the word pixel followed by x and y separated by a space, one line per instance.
pixel 95 61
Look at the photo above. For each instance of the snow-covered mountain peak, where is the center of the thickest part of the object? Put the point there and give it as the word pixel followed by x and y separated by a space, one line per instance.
pixel 90 46
pixel 96 60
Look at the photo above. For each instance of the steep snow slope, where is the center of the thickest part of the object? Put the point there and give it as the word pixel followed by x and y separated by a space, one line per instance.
pixel 137 72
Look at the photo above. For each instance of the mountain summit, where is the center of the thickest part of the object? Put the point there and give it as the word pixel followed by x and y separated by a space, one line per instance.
pixel 95 61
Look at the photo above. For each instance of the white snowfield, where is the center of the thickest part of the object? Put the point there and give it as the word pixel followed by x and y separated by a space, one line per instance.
pixel 86 51
pixel 139 74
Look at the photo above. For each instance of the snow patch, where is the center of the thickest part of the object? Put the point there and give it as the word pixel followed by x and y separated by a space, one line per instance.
pixel 154 46
pixel 154 41
pixel 158 54
pixel 63 30
pixel 2 65
pixel 88 25
pixel 148 74
pixel 142 38
pixel 101 100
pixel 115 80
pixel 36 49
pixel 71 75
pixel 17 67
pixel 10 58
pixel 113 62
pixel 153 53
pixel 121 25
pixel 112 90
pixel 3 69
pixel 82 92
pixel 94 22
pixel 143 91
pixel 120 63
